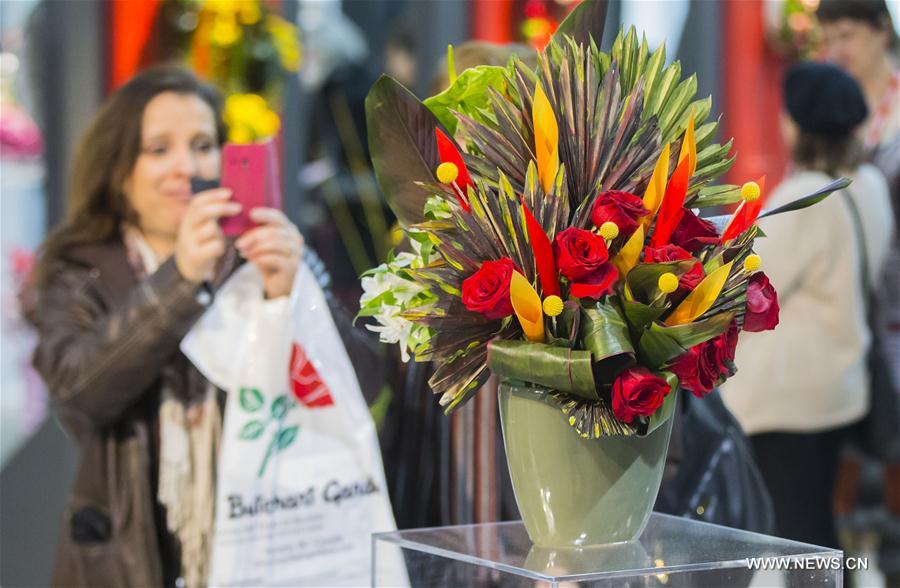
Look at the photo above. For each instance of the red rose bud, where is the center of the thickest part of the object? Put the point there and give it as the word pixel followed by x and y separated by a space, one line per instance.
pixel 685 367
pixel 579 253
pixel 618 207
pixel 598 284
pixel 487 290
pixel 637 393
pixel 707 365
pixel 761 313
pixel 693 233
pixel 667 253
pixel 726 344
pixel 697 370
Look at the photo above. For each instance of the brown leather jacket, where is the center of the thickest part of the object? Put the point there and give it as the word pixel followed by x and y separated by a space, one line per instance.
pixel 103 341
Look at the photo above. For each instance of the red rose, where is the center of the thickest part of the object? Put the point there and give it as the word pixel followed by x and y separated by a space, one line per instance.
pixel 699 379
pixel 694 233
pixel 619 207
pixel 666 253
pixel 726 344
pixel 598 284
pixel 685 367
pixel 579 253
pixel 582 257
pixel 636 393
pixel 761 313
pixel 706 365
pixel 487 290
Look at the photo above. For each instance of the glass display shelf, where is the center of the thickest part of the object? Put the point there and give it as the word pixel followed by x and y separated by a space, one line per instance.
pixel 671 551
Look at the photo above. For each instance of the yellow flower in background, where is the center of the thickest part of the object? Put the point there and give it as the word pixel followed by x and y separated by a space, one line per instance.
pixel 225 31
pixel 249 12
pixel 249 118
pixel 284 35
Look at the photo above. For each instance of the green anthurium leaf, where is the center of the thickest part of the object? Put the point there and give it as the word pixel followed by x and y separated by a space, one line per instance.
pixel 605 334
pixel 554 368
pixel 809 200
pixel 604 331
pixel 697 332
pixel 643 279
pixel 640 315
pixel 584 23
pixel 468 94
pixel 403 147
pixel 656 348
pixel 664 412
pixel 251 399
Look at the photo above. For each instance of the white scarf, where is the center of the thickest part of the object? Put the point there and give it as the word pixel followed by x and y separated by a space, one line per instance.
pixel 189 438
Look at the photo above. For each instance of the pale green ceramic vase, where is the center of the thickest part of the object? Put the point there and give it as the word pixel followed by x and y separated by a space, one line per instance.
pixel 576 492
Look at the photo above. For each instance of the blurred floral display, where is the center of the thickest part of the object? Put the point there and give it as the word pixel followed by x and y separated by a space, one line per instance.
pixel 794 28
pixel 246 49
pixel 20 137
pixel 540 19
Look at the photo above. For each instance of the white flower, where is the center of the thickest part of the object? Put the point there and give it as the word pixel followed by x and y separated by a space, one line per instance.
pixel 392 328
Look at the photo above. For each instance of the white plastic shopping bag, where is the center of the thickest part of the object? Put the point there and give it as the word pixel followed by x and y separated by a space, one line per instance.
pixel 301 485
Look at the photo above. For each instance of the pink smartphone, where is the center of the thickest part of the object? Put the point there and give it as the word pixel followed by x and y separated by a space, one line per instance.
pixel 251 172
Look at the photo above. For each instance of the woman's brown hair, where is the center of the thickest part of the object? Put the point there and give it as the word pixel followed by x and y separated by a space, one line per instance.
pixel 107 154
pixel 833 155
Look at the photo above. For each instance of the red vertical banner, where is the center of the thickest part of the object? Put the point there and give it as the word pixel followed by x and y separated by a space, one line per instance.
pixel 492 20
pixel 752 75
pixel 130 23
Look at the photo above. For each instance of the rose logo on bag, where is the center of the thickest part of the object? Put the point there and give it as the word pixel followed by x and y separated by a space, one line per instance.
pixel 305 380
pixel 252 401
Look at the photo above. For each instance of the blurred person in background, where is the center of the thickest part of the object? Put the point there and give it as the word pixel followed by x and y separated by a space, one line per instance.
pixel 860 37
pixel 119 283
pixel 802 386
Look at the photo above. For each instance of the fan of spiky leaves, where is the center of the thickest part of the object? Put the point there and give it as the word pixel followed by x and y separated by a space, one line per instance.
pixel 615 112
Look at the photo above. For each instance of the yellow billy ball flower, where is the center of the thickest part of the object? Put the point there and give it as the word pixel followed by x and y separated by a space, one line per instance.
pixel 668 282
pixel 553 305
pixel 752 263
pixel 609 230
pixel 750 191
pixel 447 172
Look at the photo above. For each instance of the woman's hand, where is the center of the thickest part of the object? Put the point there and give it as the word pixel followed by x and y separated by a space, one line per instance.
pixel 200 241
pixel 275 247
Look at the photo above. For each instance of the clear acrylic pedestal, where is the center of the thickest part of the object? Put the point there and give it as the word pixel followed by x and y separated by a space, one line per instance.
pixel 671 552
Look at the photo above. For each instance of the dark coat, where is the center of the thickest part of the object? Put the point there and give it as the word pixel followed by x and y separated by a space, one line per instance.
pixel 104 340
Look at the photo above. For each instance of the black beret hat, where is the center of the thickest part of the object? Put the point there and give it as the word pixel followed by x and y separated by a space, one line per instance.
pixel 823 100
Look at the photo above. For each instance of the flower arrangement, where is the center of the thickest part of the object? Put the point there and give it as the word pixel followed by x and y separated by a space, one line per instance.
pixel 244 49
pixel 242 46
pixel 556 240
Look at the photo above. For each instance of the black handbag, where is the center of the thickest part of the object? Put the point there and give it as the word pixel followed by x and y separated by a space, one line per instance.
pixel 878 434
pixel 711 474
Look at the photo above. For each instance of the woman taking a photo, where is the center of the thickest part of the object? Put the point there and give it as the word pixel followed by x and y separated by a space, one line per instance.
pixel 119 283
